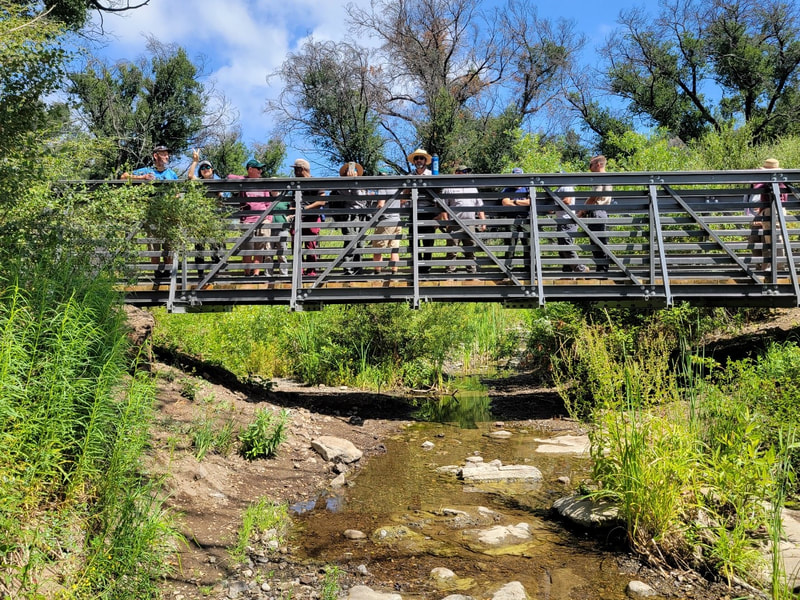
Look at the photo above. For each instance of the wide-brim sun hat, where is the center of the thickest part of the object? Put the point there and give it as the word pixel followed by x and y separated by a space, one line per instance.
pixel 420 152
pixel 346 166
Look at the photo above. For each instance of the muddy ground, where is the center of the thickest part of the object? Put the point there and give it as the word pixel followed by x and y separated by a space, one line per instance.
pixel 207 497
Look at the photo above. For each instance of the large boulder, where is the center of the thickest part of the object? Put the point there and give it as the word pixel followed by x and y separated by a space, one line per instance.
pixel 336 450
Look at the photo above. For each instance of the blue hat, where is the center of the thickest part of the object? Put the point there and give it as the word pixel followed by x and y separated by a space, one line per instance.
pixel 517 171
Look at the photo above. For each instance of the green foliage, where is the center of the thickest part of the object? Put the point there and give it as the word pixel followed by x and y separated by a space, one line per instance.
pixel 73 437
pixel 550 330
pixel 486 144
pixel 539 157
pixel 330 583
pixel 264 521
pixel 31 67
pixel 664 66
pixel 328 96
pixel 272 154
pixel 640 152
pixel 689 462
pixel 264 435
pixel 155 101
pixel 376 346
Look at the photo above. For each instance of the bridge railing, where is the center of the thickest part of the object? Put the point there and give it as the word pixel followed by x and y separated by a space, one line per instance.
pixel 664 237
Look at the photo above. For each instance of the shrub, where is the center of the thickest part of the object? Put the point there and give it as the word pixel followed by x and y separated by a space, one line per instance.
pixel 264 435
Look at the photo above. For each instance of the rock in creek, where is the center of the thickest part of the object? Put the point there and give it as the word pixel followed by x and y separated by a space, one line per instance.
pixel 586 512
pixel 334 449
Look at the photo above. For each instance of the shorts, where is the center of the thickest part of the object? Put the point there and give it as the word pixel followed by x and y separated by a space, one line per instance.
pixel 388 230
pixel 259 232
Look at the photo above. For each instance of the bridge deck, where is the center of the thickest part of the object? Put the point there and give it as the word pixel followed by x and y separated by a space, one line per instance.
pixel 666 237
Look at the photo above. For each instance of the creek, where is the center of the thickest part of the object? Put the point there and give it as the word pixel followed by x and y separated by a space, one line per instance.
pixel 417 516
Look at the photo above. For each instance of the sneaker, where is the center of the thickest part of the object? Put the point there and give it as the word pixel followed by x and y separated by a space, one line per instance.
pixel 583 269
pixel 601 268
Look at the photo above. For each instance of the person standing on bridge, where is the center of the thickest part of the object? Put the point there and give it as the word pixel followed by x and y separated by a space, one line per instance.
pixel 598 165
pixel 520 199
pixel 205 170
pixel 569 227
pixel 159 171
pixel 253 208
pixel 421 160
pixel 761 228
pixel 302 168
pixel 388 228
pixel 457 200
pixel 355 205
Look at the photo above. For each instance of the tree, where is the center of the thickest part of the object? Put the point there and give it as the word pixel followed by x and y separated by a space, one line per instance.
pixel 440 79
pixel 156 101
pixel 227 152
pixel 329 96
pixel 74 14
pixel 436 61
pixel 31 66
pixel 700 66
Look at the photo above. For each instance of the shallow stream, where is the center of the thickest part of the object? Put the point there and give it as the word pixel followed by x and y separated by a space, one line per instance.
pixel 417 517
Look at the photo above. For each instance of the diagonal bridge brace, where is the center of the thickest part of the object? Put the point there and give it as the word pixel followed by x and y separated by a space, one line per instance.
pixel 601 245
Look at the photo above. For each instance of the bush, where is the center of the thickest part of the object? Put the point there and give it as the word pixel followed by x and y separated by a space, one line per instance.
pixel 264 435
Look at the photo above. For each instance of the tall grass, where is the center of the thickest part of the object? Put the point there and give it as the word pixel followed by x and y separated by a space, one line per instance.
pixel 373 346
pixel 73 426
pixel 695 467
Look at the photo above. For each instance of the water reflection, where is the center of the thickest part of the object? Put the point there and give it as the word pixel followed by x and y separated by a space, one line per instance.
pixel 330 501
pixel 467 408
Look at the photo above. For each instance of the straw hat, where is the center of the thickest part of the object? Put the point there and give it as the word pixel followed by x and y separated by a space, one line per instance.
pixel 346 166
pixel 420 152
pixel 771 163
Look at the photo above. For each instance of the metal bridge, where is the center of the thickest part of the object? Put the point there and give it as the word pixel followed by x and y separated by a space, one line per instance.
pixel 667 237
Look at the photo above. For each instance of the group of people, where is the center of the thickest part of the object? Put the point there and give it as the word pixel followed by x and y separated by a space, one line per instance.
pixel 387 235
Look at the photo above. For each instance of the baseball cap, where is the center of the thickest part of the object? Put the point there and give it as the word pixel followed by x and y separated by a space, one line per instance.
pixel 160 148
pixel 517 171
pixel 204 165
pixel 254 163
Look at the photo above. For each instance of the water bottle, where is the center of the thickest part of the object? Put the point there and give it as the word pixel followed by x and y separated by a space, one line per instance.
pixel 435 164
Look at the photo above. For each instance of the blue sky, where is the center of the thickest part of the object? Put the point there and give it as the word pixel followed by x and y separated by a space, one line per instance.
pixel 242 41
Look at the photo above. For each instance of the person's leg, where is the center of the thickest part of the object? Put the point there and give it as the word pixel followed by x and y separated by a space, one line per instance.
pixel 570 254
pixel 350 232
pixel 452 244
pixel 378 244
pixel 600 228
pixel 472 267
pixel 282 251
pixel 311 244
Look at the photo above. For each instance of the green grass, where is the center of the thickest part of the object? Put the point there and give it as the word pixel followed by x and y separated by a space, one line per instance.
pixel 73 424
pixel 692 460
pixel 264 521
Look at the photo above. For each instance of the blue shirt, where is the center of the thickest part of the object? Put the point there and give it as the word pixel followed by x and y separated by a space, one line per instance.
pixel 165 174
